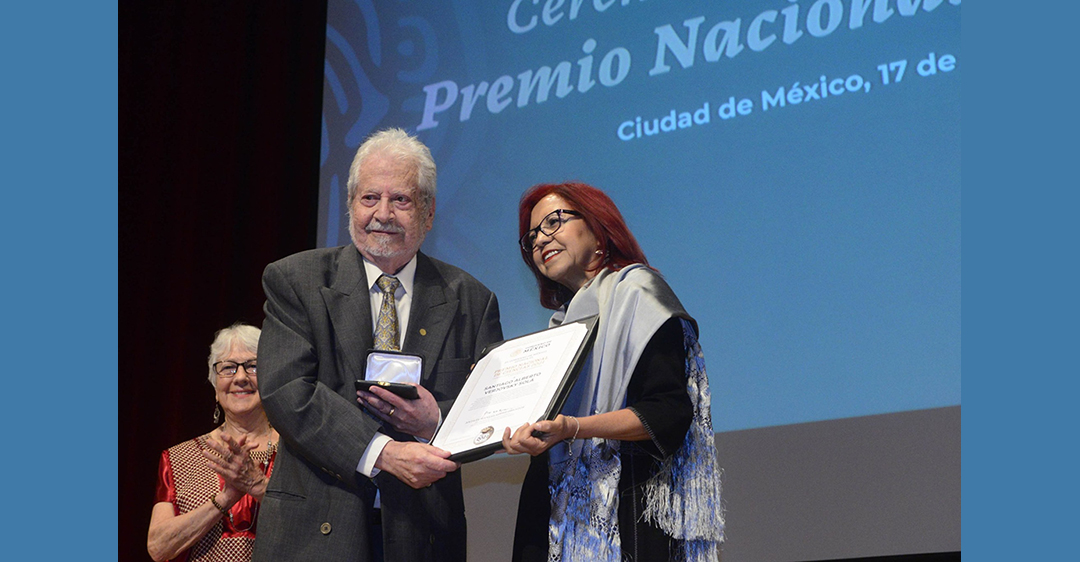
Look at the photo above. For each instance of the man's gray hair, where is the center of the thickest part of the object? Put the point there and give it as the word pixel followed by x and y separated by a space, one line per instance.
pixel 400 145
pixel 245 335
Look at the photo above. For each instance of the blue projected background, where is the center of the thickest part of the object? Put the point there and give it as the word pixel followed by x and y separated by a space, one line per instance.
pixel 791 167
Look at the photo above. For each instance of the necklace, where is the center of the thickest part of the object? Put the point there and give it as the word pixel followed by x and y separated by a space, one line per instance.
pixel 271 448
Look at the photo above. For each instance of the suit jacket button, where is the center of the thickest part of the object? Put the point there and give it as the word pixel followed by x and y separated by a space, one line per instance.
pixel 432 539
pixel 324 528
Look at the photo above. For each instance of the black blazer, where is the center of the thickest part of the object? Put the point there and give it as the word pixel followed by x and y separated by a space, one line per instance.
pixel 313 345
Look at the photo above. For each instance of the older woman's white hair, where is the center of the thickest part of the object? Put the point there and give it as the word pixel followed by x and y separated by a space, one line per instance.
pixel 244 334
pixel 404 147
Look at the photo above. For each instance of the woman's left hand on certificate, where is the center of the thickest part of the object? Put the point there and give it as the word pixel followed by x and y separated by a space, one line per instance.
pixel 535 438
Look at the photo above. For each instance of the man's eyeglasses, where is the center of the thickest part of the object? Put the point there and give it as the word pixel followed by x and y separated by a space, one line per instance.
pixel 549 225
pixel 228 368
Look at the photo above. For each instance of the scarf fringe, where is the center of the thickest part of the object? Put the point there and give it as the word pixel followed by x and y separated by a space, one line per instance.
pixel 684 498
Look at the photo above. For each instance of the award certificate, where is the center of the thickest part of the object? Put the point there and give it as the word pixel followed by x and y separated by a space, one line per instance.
pixel 522 380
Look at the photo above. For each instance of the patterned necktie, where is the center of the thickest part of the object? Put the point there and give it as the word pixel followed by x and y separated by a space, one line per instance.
pixel 386 329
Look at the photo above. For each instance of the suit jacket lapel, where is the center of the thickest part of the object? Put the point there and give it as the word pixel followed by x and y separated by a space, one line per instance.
pixel 349 306
pixel 432 311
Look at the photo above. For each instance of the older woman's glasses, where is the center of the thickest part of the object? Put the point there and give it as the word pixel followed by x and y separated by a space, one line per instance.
pixel 549 225
pixel 228 368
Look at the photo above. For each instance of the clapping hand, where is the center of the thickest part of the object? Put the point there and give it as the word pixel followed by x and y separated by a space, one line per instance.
pixel 230 458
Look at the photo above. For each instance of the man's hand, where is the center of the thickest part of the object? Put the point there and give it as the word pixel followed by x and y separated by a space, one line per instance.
pixel 415 464
pixel 419 417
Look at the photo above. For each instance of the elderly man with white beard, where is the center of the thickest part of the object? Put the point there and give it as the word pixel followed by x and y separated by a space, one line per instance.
pixel 360 481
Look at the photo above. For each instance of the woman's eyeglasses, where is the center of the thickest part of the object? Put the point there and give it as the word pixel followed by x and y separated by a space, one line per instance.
pixel 549 226
pixel 229 368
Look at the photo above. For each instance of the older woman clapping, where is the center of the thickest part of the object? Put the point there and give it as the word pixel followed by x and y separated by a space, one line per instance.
pixel 209 488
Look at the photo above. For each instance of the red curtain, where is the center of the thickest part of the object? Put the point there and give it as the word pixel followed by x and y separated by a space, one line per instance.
pixel 219 158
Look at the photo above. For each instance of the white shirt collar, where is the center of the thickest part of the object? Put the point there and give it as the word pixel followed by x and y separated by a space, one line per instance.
pixel 405 275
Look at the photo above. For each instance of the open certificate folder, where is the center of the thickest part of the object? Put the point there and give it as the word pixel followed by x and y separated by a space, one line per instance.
pixel 518 381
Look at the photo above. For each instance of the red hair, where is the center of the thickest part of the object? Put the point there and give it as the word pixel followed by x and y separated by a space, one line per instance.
pixel 604 220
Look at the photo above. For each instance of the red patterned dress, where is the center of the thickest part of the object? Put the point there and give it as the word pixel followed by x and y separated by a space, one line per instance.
pixel 185 481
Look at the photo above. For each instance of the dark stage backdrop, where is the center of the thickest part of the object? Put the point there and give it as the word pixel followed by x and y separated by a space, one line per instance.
pixel 219 176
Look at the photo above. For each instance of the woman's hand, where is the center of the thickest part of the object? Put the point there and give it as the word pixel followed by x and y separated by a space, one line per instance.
pixel 535 438
pixel 231 460
pixel 170 534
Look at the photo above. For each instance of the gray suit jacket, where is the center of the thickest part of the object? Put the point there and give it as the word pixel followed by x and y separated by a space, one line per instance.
pixel 314 341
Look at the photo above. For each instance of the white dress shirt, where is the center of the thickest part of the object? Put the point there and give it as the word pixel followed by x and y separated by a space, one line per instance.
pixel 403 302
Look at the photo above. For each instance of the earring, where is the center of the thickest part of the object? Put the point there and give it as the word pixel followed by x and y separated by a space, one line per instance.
pixel 599 252
pixel 217 413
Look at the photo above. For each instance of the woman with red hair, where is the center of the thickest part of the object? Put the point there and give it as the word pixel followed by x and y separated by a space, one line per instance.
pixel 628 470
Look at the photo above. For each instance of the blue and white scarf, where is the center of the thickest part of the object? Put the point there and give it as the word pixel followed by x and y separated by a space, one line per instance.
pixel 683 498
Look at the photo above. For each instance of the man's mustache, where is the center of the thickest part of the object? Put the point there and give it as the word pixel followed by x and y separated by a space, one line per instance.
pixel 374 224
